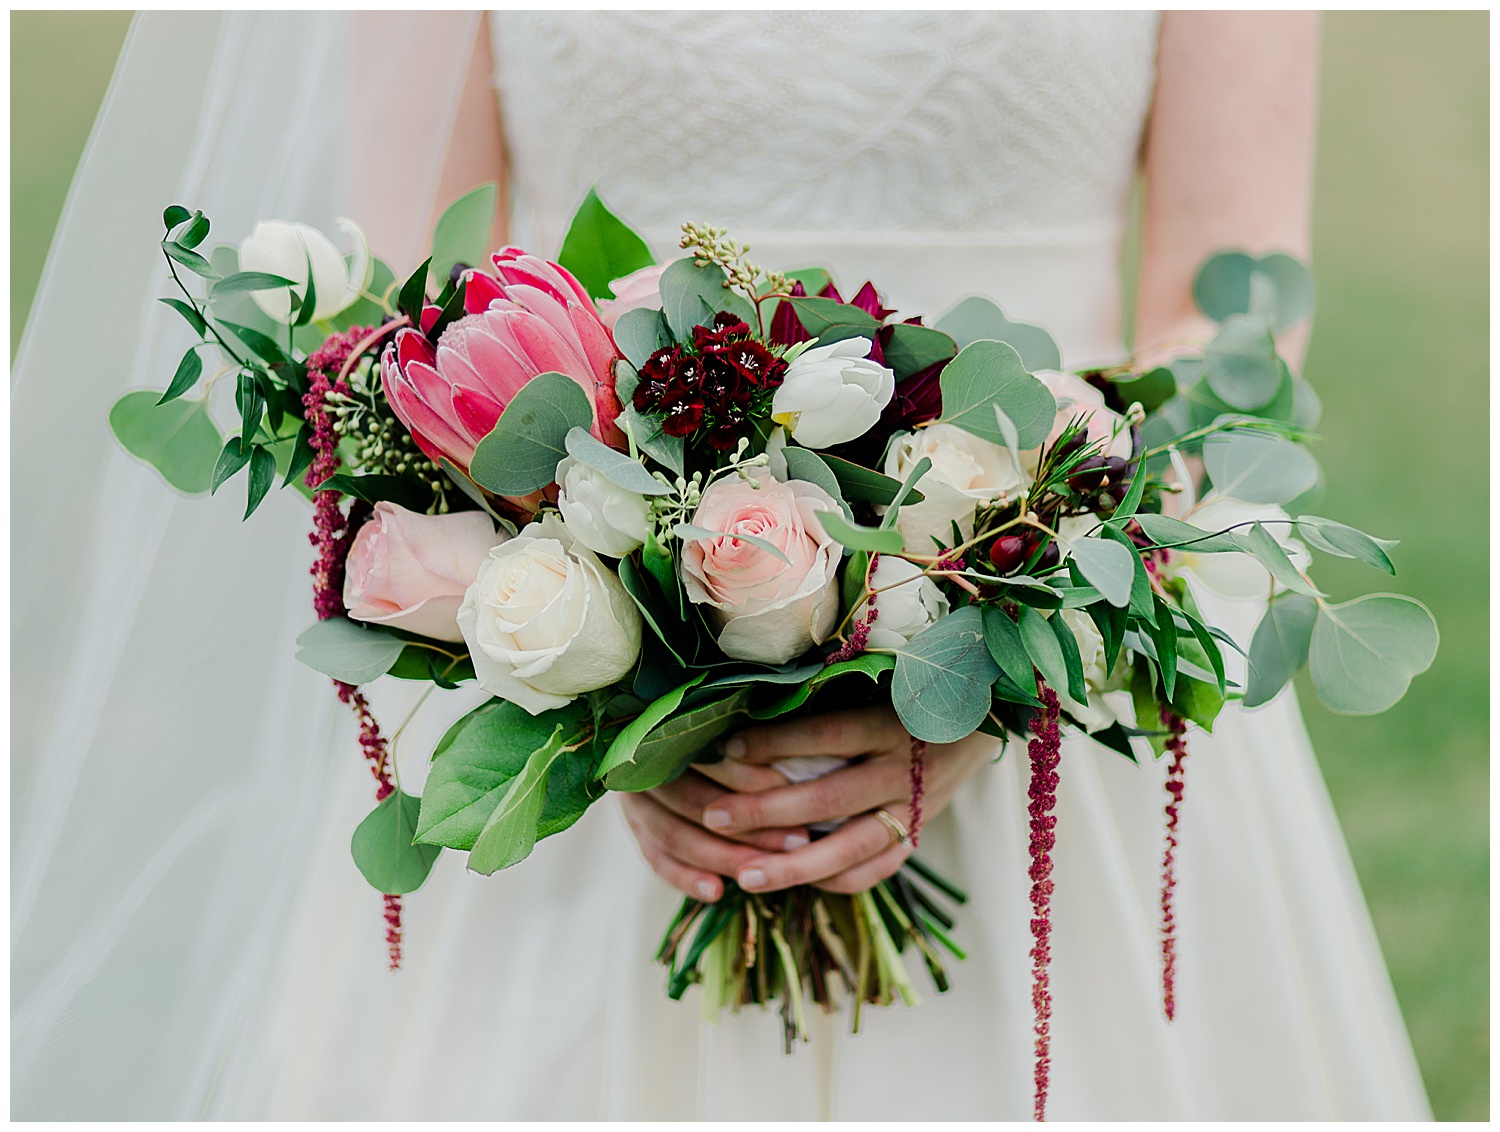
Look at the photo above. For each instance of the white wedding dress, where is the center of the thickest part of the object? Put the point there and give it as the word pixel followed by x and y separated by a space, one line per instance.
pixel 213 951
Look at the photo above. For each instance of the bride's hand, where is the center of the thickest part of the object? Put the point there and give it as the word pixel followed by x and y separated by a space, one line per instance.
pixel 667 826
pixel 862 851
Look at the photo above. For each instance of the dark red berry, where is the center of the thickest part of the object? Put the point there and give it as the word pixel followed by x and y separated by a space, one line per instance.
pixel 1007 552
pixel 1050 557
pixel 1089 475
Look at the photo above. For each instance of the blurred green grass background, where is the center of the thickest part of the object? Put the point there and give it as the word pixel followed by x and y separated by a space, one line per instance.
pixel 1399 355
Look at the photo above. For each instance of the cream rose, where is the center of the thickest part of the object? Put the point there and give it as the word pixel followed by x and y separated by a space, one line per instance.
pixel 287 250
pixel 1077 398
pixel 766 609
pixel 1098 713
pixel 602 515
pixel 546 621
pixel 1231 574
pixel 966 471
pixel 832 394
pixel 410 571
pixel 910 604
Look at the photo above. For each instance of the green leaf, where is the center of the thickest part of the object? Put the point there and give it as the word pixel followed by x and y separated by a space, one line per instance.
pixel 1261 543
pixel 1279 647
pixel 511 831
pixel 641 332
pixel 178 439
pixel 475 762
pixel 635 586
pixel 347 651
pixel 692 295
pixel 1107 566
pixel 600 247
pixel 869 664
pixel 376 488
pixel 1133 496
pixel 904 492
pixel 614 466
pixel 1140 586
pixel 986 374
pixel 1257 467
pixel 242 281
pixel 1198 701
pixel 262 476
pixel 666 750
pixel 941 683
pixel 194 319
pixel 1365 652
pixel 264 347
pixel 522 451
pixel 233 457
pixel 413 293
pixel 1346 542
pixel 819 316
pixel 383 850
pixel 196 231
pixel 805 464
pixel 875 540
pixel 1163 632
pixel 645 430
pixel 462 234
pixel 1241 364
pixel 174 215
pixel 1042 646
pixel 626 743
pixel 1078 691
pixel 1225 286
pixel 864 485
pixel 190 260
pixel 911 349
pixel 976 318
pixel 1152 388
pixel 1207 644
pixel 188 372
pixel 1163 530
pixel 309 304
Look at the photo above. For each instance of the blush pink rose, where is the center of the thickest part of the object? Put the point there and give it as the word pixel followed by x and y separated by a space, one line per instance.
pixel 766 609
pixel 638 289
pixel 410 571
pixel 1104 425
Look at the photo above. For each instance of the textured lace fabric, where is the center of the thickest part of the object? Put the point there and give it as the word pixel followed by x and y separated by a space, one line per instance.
pixel 1005 125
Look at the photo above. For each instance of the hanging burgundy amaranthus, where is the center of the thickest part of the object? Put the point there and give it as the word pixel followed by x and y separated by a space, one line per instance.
pixel 1045 751
pixel 332 534
pixel 1177 744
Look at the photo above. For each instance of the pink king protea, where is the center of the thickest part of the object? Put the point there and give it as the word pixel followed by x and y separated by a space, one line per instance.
pixel 535 318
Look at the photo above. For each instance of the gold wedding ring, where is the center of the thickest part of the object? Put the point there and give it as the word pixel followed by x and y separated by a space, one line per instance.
pixel 899 833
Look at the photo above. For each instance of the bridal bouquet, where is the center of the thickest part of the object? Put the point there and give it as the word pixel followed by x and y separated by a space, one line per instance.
pixel 643 504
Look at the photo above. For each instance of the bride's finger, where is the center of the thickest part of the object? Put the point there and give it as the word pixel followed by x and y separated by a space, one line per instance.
pixel 740 776
pixel 857 732
pixel 839 794
pixel 866 874
pixel 848 846
pixel 687 798
pixel 682 840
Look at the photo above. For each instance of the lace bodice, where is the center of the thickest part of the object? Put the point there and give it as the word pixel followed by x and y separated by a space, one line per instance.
pixel 819 133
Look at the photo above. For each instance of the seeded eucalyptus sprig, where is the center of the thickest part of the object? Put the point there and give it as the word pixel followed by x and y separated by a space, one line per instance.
pixel 714 245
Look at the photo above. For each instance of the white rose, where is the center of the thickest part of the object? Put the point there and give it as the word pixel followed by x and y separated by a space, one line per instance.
pixel 1231 574
pixel 911 605
pixel 286 249
pixel 1098 713
pixel 602 515
pixel 833 394
pixel 546 621
pixel 966 471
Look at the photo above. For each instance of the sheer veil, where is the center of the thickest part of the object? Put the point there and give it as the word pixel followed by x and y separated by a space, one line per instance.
pixel 171 761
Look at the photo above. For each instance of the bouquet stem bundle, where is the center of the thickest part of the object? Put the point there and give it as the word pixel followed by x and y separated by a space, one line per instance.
pixel 748 949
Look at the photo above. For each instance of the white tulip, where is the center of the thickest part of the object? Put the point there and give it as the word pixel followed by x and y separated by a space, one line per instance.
pixel 833 394
pixel 966 471
pixel 286 249
pixel 911 604
pixel 546 621
pixel 601 514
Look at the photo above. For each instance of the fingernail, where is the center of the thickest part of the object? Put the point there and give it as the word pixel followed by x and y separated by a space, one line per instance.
pixel 706 890
pixel 752 878
pixel 733 747
pixel 794 841
pixel 717 819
